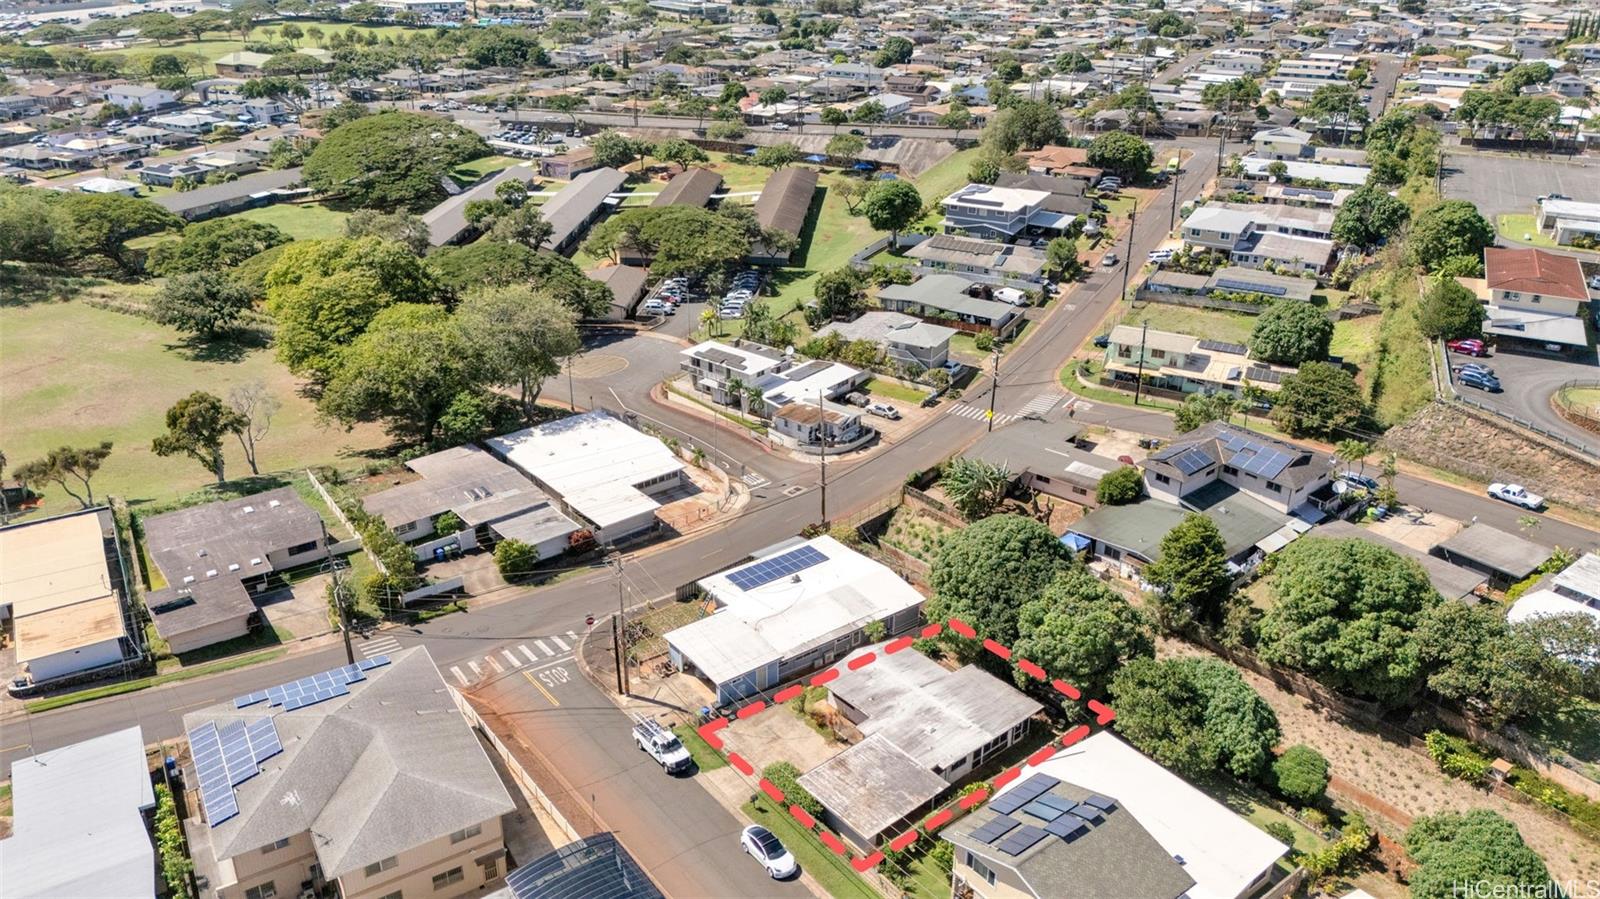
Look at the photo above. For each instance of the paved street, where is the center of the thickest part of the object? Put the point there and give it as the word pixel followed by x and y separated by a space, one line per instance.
pixel 1530 382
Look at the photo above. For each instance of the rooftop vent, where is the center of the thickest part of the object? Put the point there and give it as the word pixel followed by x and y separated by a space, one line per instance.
pixel 249 509
pixel 255 561
pixel 274 504
pixel 212 572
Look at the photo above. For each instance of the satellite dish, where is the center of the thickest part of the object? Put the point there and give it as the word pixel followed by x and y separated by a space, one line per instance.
pixel 1340 487
pixel 788 351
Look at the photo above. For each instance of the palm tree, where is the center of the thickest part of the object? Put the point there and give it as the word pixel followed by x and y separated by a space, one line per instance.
pixel 1349 451
pixel 752 396
pixel 709 320
pixel 735 387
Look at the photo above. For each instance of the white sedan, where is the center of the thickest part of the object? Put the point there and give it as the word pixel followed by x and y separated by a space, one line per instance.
pixel 1517 495
pixel 764 847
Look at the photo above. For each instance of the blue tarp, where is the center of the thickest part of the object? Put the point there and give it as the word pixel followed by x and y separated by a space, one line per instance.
pixel 816 157
pixel 864 166
pixel 886 176
pixel 750 152
pixel 1075 542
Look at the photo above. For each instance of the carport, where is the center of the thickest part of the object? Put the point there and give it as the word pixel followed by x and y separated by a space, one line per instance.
pixel 1504 557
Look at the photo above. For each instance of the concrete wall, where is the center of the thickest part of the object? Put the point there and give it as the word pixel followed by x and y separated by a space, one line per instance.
pixel 83 658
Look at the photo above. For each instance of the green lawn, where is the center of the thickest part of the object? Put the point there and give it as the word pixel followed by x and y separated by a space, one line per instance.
pixel 895 391
pixel 74 374
pixel 831 871
pixel 215 44
pixel 1213 324
pixel 1245 801
pixel 963 347
pixel 1520 228
pixel 144 683
pixel 470 172
pixel 302 221
pixel 706 758
pixel 942 179
pixel 1355 340
pixel 928 881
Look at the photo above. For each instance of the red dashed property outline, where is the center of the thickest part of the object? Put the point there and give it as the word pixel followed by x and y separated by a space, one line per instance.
pixel 930 825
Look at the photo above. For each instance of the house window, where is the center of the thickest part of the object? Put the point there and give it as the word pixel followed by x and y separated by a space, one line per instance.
pixel 406 528
pixel 262 891
pixel 299 548
pixel 454 875
pixel 1229 469
pixel 1274 487
pixel 467 834
pixel 376 868
pixel 1158 354
pixel 981 869
pixel 1163 479
pixel 491 869
pixel 274 847
pixel 1537 298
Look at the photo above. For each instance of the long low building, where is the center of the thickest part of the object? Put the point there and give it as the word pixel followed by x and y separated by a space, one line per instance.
pixel 571 211
pixel 784 203
pixel 690 188
pixel 250 191
pixel 792 610
pixel 447 222
pixel 62 583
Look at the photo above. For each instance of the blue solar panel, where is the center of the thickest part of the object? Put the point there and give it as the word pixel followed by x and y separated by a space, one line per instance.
pixel 264 743
pixel 1022 840
pixel 1089 813
pixel 1067 827
pixel 250 699
pixel 374 662
pixel 236 754
pixel 1041 811
pixel 780 566
pixel 1008 803
pixel 1034 786
pixel 1058 802
pixel 1102 803
pixel 1250 287
pixel 996 828
pixel 211 770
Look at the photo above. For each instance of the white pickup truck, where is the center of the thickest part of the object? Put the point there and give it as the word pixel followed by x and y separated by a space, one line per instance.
pixel 1517 495
pixel 661 744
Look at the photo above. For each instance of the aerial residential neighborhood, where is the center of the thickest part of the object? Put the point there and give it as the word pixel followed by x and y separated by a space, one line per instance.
pixel 814 448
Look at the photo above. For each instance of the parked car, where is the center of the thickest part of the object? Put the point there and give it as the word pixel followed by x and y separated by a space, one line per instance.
pixel 1103 341
pixel 1474 367
pixel 1109 260
pixel 136 164
pixel 858 132
pixel 1517 495
pixel 656 307
pixel 1470 346
pixel 1487 383
pixel 857 398
pixel 780 126
pixel 661 744
pixel 764 847
pixel 884 410
pixel 1359 480
pixel 953 367
pixel 1160 255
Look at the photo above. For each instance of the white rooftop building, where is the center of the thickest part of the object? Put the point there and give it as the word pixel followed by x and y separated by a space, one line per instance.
pixel 602 471
pixel 78 817
pixel 796 608
pixel 1575 591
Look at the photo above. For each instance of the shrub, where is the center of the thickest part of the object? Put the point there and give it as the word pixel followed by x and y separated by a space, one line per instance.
pixel 786 777
pixel 447 524
pixel 874 631
pixel 515 559
pixel 1120 487
pixel 1300 774
pixel 983 342
pixel 1457 757
pixel 1281 832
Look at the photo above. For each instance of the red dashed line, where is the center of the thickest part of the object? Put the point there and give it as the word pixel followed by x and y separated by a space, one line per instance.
pixel 962 628
pixel 902 841
pixel 1104 714
pixel 996 648
pixel 803 816
pixel 788 693
pixel 861 661
pixel 864 865
pixel 972 799
pixel 895 646
pixel 772 790
pixel 1010 774
pixel 938 820
pixel 738 761
pixel 824 677
pixel 753 708
pixel 1066 689
pixel 708 732
pixel 932 630
pixel 832 842
pixel 1042 756
pixel 1074 735
pixel 1030 669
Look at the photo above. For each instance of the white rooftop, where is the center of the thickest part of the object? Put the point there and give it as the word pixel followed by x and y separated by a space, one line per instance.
pixel 787 616
pixel 1223 852
pixel 806 382
pixel 594 462
pixel 1348 175
pixel 79 828
pixel 1015 200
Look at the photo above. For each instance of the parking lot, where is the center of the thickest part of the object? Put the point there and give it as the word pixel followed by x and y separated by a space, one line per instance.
pixel 1529 381
pixel 1504 184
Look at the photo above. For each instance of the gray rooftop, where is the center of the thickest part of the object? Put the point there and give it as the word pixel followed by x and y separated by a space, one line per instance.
pixel 206 195
pixel 447 221
pixel 202 542
pixel 376 772
pixel 177 610
pixel 1139 526
pixel 934 715
pixel 570 209
pixel 1236 277
pixel 992 255
pixel 786 200
pixel 691 188
pixel 882 327
pixel 1452 581
pixel 949 293
pixel 1299 465
pixel 872 785
pixel 466 480
pixel 1043 448
pixel 1499 550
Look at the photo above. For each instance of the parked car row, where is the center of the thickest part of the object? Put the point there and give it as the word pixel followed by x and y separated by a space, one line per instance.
pixel 740 293
pixel 669 295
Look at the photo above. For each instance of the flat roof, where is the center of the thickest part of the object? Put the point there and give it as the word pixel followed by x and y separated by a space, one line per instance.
pixel 872 785
pixel 1502 551
pixel 785 617
pixel 66 628
pixel 54 562
pixel 78 822
pixel 594 462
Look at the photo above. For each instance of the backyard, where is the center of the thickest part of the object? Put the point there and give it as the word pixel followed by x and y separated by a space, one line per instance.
pixel 301 221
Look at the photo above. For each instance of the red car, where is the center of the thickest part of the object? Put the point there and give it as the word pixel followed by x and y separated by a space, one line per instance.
pixel 1468 347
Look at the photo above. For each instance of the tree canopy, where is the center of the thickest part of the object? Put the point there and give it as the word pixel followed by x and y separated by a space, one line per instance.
pixel 974 486
pixel 1082 631
pixel 677 239
pixel 1291 333
pixel 892 206
pixel 1190 576
pixel 1369 217
pixel 1502 672
pixel 1120 486
pixel 1318 400
pixel 1476 847
pixel 391 160
pixel 405 369
pixel 1194 715
pixel 1346 612
pixel 1449 230
pixel 207 303
pixel 1449 310
pixel 521 336
pixel 197 426
pixel 216 244
pixel 1025 125
pixel 1122 154
pixel 986 572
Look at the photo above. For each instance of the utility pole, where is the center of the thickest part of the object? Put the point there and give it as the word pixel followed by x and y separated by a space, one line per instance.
pixel 572 396
pixel 994 386
pixel 1176 177
pixel 1138 386
pixel 1127 264
pixel 341 601
pixel 620 632
pixel 822 441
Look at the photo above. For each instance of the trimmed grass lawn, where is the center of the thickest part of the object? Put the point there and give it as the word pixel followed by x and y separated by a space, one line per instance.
pixel 705 758
pixel 74 374
pixel 1244 801
pixel 831 871
pixel 940 181
pixel 1520 228
pixel 1212 324
pixel 895 391
pixel 1355 340
pixel 470 172
pixel 1583 399
pixel 217 43
pixel 301 221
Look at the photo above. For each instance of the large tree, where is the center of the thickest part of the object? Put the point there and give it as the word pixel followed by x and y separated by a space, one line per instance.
pixel 1473 657
pixel 66 465
pixel 892 206
pixel 102 224
pixel 404 228
pixel 1122 154
pixel 1449 230
pixel 1346 612
pixel 1450 311
pixel 1319 400
pixel 677 240
pixel 776 156
pixel 1024 125
pixel 1082 631
pixel 391 160
pixel 1190 576
pixel 217 244
pixel 197 425
pixel 986 572
pixel 615 150
pixel 323 293
pixel 34 228
pixel 521 335
pixel 840 294
pixel 975 487
pixel 405 369
pixel 1475 847
pixel 207 303
pixel 1291 333
pixel 256 407
pixel 893 52
pixel 1202 408
pixel 496 263
pixel 1369 217
pixel 1194 715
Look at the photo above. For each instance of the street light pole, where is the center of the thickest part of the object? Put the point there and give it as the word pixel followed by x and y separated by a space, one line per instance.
pixel 1138 385
pixel 1127 264
pixel 1176 177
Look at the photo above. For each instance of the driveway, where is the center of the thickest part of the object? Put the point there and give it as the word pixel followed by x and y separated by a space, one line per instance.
pixel 302 609
pixel 1530 381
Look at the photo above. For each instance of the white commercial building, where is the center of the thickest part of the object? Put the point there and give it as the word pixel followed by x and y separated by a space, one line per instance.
pixel 602 471
pixel 794 609
pixel 78 822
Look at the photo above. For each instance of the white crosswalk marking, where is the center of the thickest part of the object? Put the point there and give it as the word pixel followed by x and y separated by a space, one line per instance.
pixel 379 646
pixel 459 676
pixel 515 662
pixel 476 670
pixel 1041 404
pixel 754 479
pixel 967 410
pixel 543 648
pixel 495 665
pixel 572 636
pixel 561 643
pixel 529 653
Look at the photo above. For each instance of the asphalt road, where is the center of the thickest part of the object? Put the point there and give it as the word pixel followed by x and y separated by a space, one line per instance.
pixel 1530 381
pixel 1502 183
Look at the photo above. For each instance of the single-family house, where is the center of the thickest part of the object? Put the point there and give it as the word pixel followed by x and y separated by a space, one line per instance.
pixel 818 426
pixel 988 261
pixel 948 300
pixel 146 97
pixel 1536 299
pixel 1044 456
pixel 1176 364
pixel 905 339
pixel 1276 473
pixel 1574 590
pixel 1001 213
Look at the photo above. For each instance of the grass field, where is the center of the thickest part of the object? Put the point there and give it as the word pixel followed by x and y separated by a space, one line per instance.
pixel 215 43
pixel 895 391
pixel 301 221
pixel 832 872
pixel 74 374
pixel 1520 228
pixel 1213 324
pixel 706 758
pixel 470 172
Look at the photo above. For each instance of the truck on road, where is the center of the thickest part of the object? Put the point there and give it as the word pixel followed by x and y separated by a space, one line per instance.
pixel 662 745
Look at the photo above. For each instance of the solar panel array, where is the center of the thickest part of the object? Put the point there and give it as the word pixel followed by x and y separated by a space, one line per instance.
pixel 1260 459
pixel 1067 827
pixel 1023 793
pixel 314 689
pixel 1192 461
pixel 1060 816
pixel 1264 375
pixel 780 566
pixel 228 756
pixel 1042 811
pixel 1022 840
pixel 995 828
pixel 1222 346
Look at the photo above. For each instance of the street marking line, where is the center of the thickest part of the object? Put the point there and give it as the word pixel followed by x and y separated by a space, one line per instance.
pixel 476 671
pixel 561 643
pixel 573 636
pixel 540 687
pixel 529 653
pixel 494 664
pixel 515 662
pixel 543 648
pixel 459 676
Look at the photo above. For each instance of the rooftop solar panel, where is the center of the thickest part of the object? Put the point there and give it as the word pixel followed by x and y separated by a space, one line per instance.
pixel 264 742
pixel 1089 813
pixel 250 699
pixel 995 828
pixel 1009 803
pixel 1192 461
pixel 1103 803
pixel 1222 346
pixel 1264 375
pixel 1055 801
pixel 1041 811
pixel 1022 840
pixel 1067 827
pixel 780 566
pixel 1273 290
pixel 236 754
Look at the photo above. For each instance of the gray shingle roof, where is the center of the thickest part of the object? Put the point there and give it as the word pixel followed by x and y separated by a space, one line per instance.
pixel 786 199
pixel 569 210
pixel 691 188
pixel 203 541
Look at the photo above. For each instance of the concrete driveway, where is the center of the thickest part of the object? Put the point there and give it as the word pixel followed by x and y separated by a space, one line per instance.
pixel 1530 381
